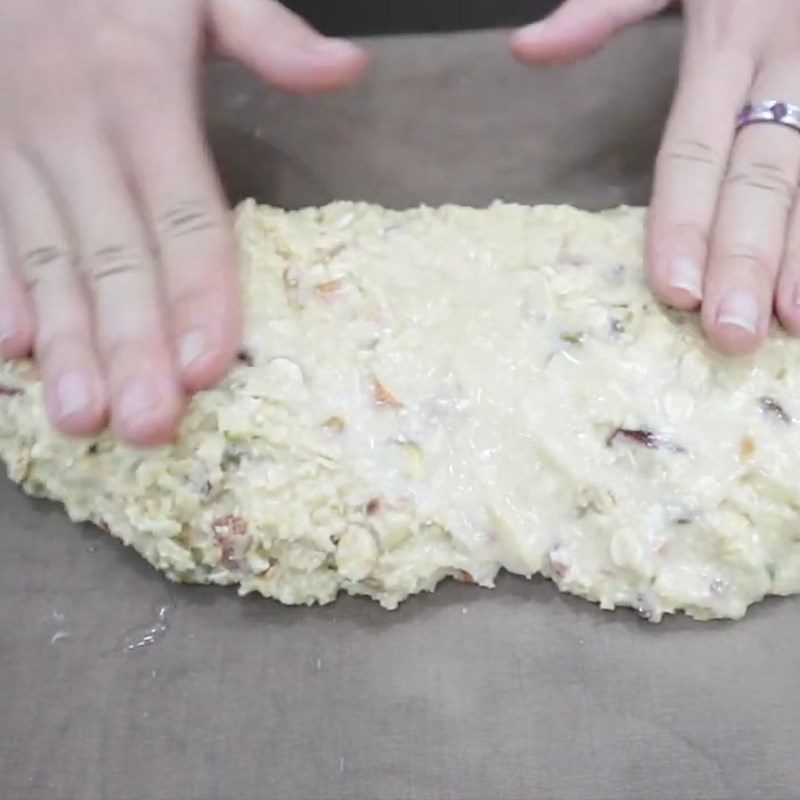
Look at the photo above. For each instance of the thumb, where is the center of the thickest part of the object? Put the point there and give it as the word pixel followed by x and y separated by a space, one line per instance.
pixel 281 48
pixel 579 28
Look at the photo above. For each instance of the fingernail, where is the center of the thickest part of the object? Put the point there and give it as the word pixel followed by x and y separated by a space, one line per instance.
pixel 334 48
pixel 685 274
pixel 73 394
pixel 138 396
pixel 8 323
pixel 740 309
pixel 193 345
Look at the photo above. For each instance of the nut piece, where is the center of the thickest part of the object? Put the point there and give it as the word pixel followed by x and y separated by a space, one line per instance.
pixel 334 424
pixel 374 506
pixel 245 357
pixel 383 397
pixel 329 287
pixel 229 532
pixel 775 409
pixel 645 438
pixel 229 526
pixel 356 553
pixel 291 278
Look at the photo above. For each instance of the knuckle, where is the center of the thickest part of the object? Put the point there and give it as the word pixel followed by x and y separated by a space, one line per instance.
pixel 675 232
pixel 192 303
pixel 45 256
pixel 765 176
pixel 53 81
pixel 68 117
pixel 126 350
pixel 791 257
pixel 193 306
pixel 120 350
pixel 114 261
pixel 754 258
pixel 44 64
pixel 187 218
pixel 730 55
pixel 40 261
pixel 65 338
pixel 47 52
pixel 134 56
pixel 689 231
pixel 710 39
pixel 691 152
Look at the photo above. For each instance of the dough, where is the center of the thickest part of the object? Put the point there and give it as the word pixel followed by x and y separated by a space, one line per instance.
pixel 448 392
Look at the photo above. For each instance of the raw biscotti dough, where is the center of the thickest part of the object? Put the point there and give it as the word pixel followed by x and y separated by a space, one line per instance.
pixel 447 392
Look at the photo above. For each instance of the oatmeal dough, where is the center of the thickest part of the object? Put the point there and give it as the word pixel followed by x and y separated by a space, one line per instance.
pixel 448 392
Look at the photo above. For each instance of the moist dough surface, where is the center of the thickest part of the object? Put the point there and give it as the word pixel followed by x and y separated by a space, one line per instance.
pixel 448 392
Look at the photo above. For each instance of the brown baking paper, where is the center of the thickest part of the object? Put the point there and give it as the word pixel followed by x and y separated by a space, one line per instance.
pixel 520 693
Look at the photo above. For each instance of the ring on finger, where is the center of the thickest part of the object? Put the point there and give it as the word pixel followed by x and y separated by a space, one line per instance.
pixel 747 239
pixel 769 111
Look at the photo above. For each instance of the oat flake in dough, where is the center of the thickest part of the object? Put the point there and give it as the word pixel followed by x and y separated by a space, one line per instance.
pixel 435 393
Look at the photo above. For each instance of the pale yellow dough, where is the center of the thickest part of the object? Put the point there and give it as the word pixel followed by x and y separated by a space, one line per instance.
pixel 447 392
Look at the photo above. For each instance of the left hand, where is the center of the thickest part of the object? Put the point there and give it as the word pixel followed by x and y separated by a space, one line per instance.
pixel 117 255
pixel 724 222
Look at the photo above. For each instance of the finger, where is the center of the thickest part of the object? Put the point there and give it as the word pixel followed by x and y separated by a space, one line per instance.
pixel 74 391
pixel 689 169
pixel 192 228
pixel 16 317
pixel 787 292
pixel 579 28
pixel 281 48
pixel 119 270
pixel 750 231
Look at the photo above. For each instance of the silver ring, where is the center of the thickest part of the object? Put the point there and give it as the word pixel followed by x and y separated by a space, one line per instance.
pixel 769 111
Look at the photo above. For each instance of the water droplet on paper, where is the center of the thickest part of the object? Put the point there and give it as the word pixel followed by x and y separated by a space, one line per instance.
pixel 148 634
pixel 58 617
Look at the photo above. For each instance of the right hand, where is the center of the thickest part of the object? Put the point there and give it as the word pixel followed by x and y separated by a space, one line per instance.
pixel 724 220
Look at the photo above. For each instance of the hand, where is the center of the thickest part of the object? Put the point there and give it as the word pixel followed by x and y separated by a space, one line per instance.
pixel 117 264
pixel 724 222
